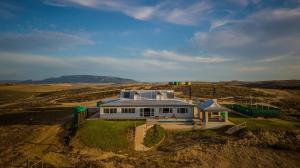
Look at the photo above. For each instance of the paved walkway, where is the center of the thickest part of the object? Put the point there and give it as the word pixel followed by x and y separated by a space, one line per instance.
pixel 95 116
pixel 189 126
pixel 140 133
pixel 215 125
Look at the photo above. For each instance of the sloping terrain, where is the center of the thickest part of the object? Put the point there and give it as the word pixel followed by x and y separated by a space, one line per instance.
pixel 34 123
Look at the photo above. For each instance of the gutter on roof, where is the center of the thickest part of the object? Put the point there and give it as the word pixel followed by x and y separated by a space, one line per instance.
pixel 145 105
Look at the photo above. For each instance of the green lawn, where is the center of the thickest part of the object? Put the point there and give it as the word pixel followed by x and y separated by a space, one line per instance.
pixel 264 124
pixel 154 135
pixel 107 135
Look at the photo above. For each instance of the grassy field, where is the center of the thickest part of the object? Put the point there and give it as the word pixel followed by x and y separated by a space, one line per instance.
pixel 37 113
pixel 37 87
pixel 108 135
pixel 264 124
pixel 10 96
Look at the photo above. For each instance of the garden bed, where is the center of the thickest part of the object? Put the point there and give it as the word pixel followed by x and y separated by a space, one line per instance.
pixel 154 135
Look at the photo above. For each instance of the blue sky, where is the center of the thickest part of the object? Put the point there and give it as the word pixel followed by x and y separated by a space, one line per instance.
pixel 151 40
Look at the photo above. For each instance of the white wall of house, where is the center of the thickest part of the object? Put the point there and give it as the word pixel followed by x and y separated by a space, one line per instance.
pixel 137 115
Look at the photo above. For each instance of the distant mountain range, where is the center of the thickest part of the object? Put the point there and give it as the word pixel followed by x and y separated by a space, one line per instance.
pixel 76 79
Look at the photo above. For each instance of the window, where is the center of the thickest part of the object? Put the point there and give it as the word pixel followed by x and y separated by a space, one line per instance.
pixel 170 95
pixel 126 94
pixel 113 110
pixel 152 111
pixel 106 110
pixel 141 112
pixel 165 110
pixel 182 110
pixel 110 110
pixel 128 110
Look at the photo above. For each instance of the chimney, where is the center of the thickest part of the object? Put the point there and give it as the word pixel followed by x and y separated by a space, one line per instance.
pixel 136 96
pixel 158 96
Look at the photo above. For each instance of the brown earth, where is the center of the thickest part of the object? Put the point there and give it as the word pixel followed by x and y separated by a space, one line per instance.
pixel 33 121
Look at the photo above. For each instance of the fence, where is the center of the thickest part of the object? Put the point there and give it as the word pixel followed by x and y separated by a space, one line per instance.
pixel 255 111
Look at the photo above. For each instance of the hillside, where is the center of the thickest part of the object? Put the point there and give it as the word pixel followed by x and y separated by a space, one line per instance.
pixel 271 84
pixel 80 79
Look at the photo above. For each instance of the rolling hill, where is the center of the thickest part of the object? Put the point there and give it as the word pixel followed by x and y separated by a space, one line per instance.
pixel 79 79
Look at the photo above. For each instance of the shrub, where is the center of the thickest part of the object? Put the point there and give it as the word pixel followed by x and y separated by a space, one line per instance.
pixel 154 135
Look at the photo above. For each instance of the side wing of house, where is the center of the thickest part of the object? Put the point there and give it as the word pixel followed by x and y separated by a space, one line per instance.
pixel 142 112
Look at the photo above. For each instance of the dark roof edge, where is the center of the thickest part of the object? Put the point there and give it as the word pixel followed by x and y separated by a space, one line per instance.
pixel 103 105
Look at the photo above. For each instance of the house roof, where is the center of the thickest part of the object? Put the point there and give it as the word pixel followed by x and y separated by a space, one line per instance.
pixel 131 103
pixel 146 94
pixel 212 106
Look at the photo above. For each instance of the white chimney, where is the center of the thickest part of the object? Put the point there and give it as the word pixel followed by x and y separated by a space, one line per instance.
pixel 136 96
pixel 158 96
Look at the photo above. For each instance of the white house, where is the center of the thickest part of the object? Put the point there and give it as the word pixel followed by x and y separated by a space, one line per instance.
pixel 141 104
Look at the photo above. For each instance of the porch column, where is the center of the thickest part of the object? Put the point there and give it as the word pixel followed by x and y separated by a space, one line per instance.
pixel 200 114
pixel 100 111
pixel 206 117
pixel 226 116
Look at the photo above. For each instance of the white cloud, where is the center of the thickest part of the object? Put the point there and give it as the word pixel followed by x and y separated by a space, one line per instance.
pixel 168 11
pixel 8 10
pixel 151 67
pixel 265 33
pixel 184 15
pixel 141 13
pixel 276 14
pixel 245 2
pixel 220 23
pixel 112 63
pixel 217 23
pixel 40 40
pixel 173 56
pixel 221 40
pixel 272 59
pixel 253 69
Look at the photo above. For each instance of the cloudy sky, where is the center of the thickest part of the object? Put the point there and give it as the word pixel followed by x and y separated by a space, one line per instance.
pixel 157 40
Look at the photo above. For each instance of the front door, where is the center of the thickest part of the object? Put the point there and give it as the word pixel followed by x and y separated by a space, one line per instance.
pixel 147 112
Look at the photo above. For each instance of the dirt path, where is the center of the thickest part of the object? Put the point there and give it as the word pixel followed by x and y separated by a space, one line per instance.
pixel 140 133
pixel 45 144
pixel 278 94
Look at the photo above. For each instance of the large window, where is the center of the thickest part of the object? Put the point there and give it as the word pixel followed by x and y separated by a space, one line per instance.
pixel 152 111
pixel 128 110
pixel 182 110
pixel 165 110
pixel 141 112
pixel 126 94
pixel 145 112
pixel 110 110
pixel 170 95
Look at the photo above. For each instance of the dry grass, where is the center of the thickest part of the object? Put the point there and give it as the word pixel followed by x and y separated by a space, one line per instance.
pixel 38 87
pixel 38 111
